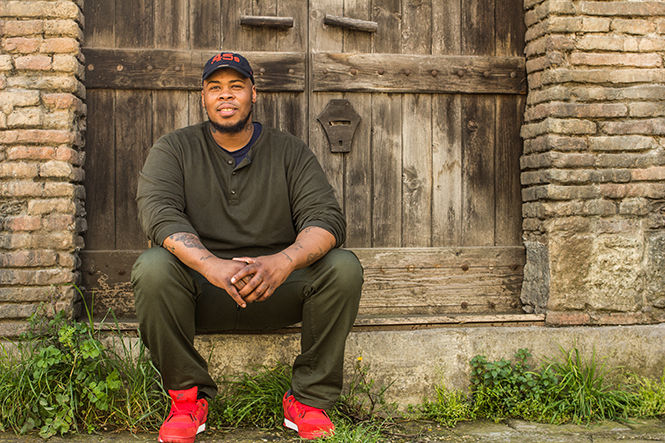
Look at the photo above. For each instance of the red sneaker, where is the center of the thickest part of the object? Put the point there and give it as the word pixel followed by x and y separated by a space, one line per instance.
pixel 310 422
pixel 186 418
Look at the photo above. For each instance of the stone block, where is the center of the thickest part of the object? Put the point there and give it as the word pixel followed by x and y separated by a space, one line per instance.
pixel 26 294
pixel 654 173
pixel 60 222
pixel 55 169
pixel 35 276
pixel 22 223
pixel 39 9
pixel 567 318
pixel 558 126
pixel 59 189
pixel 32 258
pixel 596 271
pixel 556 24
pixel 30 153
pixel 37 136
pixel 656 214
pixel 6 62
pixel 535 286
pixel 61 119
pixel 634 206
pixel 59 45
pixel 610 42
pixel 11 99
pixel 63 28
pixel 655 269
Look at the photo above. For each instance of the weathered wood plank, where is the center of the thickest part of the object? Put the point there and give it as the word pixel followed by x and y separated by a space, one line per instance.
pixel 437 258
pixel 133 138
pixel 454 319
pixel 293 39
pixel 170 112
pixel 325 38
pixel 205 24
pixel 387 170
pixel 262 38
pixel 509 28
pixel 447 170
pixel 388 36
pixel 478 26
pixel 178 69
pixel 105 281
pixel 265 109
pixel 134 24
pixel 508 206
pixel 235 37
pixel 171 24
pixel 478 193
pixel 446 27
pixel 99 30
pixel 350 23
pixel 416 170
pixel 196 113
pixel 100 168
pixel 416 26
pixel 292 113
pixel 418 73
pixel 266 21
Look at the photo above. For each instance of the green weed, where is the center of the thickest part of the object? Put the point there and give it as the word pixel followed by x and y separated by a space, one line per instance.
pixel 650 396
pixel 447 409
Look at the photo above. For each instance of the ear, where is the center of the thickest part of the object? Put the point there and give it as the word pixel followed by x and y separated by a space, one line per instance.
pixel 203 103
pixel 253 94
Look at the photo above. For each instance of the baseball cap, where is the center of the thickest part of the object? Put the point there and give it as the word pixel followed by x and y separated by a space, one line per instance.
pixel 228 60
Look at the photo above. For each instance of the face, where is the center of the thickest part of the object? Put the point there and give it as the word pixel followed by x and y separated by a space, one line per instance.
pixel 228 97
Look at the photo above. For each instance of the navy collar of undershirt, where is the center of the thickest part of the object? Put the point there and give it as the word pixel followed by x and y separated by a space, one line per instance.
pixel 239 154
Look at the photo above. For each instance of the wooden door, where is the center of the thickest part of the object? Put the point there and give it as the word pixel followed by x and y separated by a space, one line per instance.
pixel 430 187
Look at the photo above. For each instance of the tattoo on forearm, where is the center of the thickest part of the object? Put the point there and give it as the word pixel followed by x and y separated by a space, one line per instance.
pixel 207 257
pixel 314 256
pixel 188 240
pixel 287 256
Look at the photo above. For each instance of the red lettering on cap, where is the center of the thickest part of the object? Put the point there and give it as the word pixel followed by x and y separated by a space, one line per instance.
pixel 236 59
pixel 227 56
pixel 216 58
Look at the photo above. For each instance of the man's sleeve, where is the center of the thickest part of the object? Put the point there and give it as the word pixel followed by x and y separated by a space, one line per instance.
pixel 160 196
pixel 313 200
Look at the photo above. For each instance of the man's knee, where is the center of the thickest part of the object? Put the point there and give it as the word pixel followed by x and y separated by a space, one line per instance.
pixel 345 269
pixel 153 268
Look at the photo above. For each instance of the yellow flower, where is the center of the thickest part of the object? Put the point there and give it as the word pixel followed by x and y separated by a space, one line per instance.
pixel 360 359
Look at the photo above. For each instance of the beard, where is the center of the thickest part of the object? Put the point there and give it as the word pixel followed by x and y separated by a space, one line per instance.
pixel 233 128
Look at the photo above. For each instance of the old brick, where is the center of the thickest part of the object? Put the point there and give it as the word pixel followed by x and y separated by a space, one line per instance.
pixel 17 310
pixel 26 294
pixel 622 8
pixel 619 318
pixel 644 92
pixel 633 26
pixel 3 125
pixel 63 28
pixel 607 59
pixel 59 189
pixel 558 126
pixel 51 205
pixel 621 143
pixel 58 9
pixel 55 169
pixel 35 276
pixel 62 101
pixel 30 152
pixel 651 44
pixel 21 188
pixel 29 258
pixel 25 118
pixel 10 99
pixel 651 174
pixel 38 136
pixel 18 170
pixel 53 82
pixel 572 160
pixel 564 24
pixel 561 192
pixel 69 155
pixel 634 206
pixel 567 318
pixel 595 93
pixel 60 222
pixel 554 142
pixel 535 177
pixel 66 63
pixel 532 193
pixel 647 109
pixel 655 126
pixel 62 119
pixel 22 223
pixel 6 63
pixel 536 30
pixel 608 43
pixel 624 190
pixel 595 24
pixel 21 45
pixel 552 93
pixel 13 28
pixel 59 45
pixel 531 17
pixel 660 25
pixel 560 109
pixel 33 62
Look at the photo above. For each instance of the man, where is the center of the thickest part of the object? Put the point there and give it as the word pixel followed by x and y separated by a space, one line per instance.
pixel 247 229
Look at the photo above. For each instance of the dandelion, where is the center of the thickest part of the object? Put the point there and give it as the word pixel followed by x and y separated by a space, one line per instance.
pixel 360 358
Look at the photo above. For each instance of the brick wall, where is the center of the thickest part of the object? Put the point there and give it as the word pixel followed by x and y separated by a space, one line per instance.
pixel 593 167
pixel 41 138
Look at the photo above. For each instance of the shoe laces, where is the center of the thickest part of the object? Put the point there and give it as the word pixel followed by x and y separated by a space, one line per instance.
pixel 302 409
pixel 183 408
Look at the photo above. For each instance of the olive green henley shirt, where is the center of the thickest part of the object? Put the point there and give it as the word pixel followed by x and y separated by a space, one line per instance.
pixel 189 184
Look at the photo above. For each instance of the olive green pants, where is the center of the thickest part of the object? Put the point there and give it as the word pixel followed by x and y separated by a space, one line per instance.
pixel 173 303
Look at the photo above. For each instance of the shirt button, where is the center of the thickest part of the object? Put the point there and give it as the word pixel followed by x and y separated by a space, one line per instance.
pixel 229 162
pixel 233 192
pixel 233 173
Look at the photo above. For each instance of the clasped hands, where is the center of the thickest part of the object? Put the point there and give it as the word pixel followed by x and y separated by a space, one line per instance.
pixel 249 279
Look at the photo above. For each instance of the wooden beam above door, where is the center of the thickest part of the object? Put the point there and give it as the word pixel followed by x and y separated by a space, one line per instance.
pixel 181 69
pixel 418 73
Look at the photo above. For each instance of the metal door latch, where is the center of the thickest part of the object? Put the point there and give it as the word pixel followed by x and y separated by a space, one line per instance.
pixel 339 121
